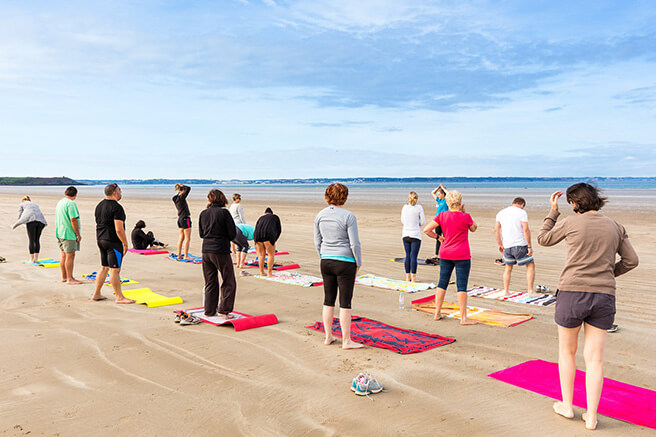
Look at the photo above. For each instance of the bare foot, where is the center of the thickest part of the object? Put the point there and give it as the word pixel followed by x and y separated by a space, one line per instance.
pixel 588 424
pixel 73 281
pixel 97 298
pixel 506 293
pixel 351 345
pixel 468 322
pixel 124 300
pixel 328 341
pixel 225 316
pixel 438 316
pixel 63 280
pixel 559 408
pixel 270 275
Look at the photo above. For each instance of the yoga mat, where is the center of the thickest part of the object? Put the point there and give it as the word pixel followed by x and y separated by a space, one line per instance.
pixel 517 297
pixel 619 400
pixel 420 261
pixel 150 298
pixel 483 315
pixel 393 284
pixel 377 334
pixel 44 262
pixel 240 322
pixel 294 278
pixel 276 267
pixel 124 281
pixel 252 250
pixel 148 251
pixel 194 259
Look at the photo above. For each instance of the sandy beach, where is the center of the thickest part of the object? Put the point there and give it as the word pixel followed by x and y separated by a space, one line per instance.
pixel 74 367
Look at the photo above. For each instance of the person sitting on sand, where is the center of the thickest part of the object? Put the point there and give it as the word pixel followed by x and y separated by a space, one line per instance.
pixel 217 229
pixel 244 234
pixel 184 219
pixel 586 289
pixel 454 252
pixel 267 231
pixel 30 215
pixel 512 225
pixel 112 242
pixel 142 240
pixel 336 239
pixel 67 232
pixel 439 194
pixel 412 217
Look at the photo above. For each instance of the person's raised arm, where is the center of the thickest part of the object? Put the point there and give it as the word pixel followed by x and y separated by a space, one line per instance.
pixel 497 236
pixel 185 192
pixel 444 189
pixel 434 192
pixel 527 235
pixel 550 233
pixel 628 257
pixel 119 225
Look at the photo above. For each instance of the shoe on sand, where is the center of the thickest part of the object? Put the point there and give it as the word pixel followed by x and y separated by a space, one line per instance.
pixel 372 386
pixel 190 320
pixel 614 328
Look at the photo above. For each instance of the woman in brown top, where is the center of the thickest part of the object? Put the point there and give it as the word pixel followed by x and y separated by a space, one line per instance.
pixel 586 290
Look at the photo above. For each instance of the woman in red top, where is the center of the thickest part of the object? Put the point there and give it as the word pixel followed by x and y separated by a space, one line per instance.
pixel 454 252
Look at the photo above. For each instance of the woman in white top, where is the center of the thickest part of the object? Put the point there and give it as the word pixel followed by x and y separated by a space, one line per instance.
pixel 412 217
pixel 237 211
pixel 31 216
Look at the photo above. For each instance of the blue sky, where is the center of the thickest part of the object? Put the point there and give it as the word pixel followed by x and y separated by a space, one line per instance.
pixel 274 89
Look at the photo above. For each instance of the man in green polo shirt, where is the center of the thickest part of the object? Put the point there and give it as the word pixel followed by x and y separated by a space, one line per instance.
pixel 67 231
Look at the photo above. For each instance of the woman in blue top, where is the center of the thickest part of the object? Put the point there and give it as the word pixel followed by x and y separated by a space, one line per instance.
pixel 336 239
pixel 439 194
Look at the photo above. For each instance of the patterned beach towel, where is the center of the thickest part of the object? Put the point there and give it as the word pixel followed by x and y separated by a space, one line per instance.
pixel 380 335
pixel 483 315
pixel 393 284
pixel 276 267
pixel 294 278
pixel 517 297
pixel 192 259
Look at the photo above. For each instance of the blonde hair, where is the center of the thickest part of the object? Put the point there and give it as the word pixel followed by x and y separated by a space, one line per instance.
pixel 412 198
pixel 26 199
pixel 454 199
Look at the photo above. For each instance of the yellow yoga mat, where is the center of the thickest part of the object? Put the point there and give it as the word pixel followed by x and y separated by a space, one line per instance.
pixel 150 298
pixel 47 265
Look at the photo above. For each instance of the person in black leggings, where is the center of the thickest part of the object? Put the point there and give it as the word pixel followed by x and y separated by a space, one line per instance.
pixel 31 216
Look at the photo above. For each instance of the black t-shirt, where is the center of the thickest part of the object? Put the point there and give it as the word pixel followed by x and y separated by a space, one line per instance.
pixel 140 240
pixel 106 212
pixel 268 228
pixel 180 201
pixel 217 229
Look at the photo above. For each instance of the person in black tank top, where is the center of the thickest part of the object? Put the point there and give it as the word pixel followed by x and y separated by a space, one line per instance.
pixel 184 219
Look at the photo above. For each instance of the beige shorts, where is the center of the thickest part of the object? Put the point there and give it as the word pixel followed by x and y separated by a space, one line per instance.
pixel 68 246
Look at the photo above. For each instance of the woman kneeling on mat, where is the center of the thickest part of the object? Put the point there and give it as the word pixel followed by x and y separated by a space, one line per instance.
pixel 217 229
pixel 142 240
pixel 454 252
pixel 267 231
pixel 338 244
pixel 30 215
pixel 586 289
pixel 412 217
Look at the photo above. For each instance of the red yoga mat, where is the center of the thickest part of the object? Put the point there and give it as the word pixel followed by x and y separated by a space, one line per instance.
pixel 148 251
pixel 619 400
pixel 241 322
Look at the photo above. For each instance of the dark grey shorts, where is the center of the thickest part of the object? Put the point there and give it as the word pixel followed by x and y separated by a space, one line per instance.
pixel 517 255
pixel 575 307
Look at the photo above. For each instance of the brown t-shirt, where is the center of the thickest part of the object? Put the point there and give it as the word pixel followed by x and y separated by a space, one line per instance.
pixel 592 241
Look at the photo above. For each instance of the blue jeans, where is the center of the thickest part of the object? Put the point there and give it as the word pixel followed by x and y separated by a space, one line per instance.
pixel 411 246
pixel 462 273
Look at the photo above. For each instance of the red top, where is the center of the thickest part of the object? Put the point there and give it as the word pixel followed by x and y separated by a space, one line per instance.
pixel 455 227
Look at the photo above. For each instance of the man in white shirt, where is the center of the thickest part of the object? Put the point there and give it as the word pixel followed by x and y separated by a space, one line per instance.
pixel 515 246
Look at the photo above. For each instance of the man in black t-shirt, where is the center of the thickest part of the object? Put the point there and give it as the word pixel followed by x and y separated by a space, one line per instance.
pixel 112 242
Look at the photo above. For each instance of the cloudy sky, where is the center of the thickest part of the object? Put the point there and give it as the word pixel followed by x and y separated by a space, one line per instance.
pixel 275 89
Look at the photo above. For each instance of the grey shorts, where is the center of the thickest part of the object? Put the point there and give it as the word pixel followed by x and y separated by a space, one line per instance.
pixel 68 246
pixel 576 307
pixel 517 255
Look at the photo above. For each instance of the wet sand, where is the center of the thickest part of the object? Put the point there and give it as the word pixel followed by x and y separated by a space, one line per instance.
pixel 75 367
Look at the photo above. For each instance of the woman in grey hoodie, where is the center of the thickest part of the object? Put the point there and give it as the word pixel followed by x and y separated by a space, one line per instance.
pixel 31 216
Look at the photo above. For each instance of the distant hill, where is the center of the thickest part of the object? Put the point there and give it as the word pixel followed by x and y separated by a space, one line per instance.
pixel 38 181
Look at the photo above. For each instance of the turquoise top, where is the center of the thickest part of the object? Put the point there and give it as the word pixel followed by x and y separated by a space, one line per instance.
pixel 349 259
pixel 247 230
pixel 441 205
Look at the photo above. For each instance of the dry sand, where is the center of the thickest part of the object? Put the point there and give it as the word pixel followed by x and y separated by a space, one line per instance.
pixel 73 367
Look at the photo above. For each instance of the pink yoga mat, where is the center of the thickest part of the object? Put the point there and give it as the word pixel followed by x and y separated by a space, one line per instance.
pixel 241 321
pixel 619 400
pixel 148 251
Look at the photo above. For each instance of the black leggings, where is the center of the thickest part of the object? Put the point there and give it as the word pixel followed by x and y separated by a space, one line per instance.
pixel 338 275
pixel 34 234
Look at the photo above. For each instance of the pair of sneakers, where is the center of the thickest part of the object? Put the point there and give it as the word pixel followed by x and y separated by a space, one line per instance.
pixel 364 385
pixel 185 319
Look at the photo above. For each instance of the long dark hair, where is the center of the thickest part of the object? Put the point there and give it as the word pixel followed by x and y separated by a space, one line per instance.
pixel 217 198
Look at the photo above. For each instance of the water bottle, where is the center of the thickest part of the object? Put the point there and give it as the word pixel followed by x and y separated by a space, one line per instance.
pixel 401 300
